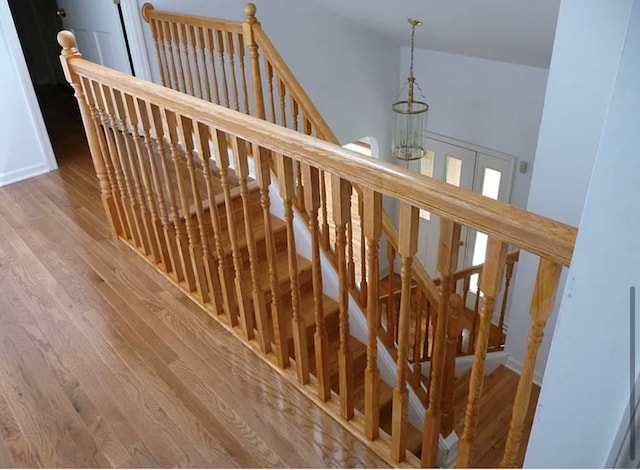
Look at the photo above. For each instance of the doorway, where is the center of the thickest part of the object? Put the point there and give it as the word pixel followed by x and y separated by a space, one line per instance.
pixel 37 23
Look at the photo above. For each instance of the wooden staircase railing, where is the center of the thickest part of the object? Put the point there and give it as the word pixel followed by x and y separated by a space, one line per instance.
pixel 207 58
pixel 163 160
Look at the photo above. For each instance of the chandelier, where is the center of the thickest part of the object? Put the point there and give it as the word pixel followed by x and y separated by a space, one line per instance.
pixel 410 116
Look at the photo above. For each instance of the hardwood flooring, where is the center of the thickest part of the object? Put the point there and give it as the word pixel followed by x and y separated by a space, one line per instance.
pixel 104 363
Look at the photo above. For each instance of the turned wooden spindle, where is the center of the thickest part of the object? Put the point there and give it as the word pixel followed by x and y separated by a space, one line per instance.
pixel 456 309
pixel 492 275
pixel 198 245
pixel 272 102
pixel 231 67
pixel 407 248
pixel 193 53
pixel 210 45
pixel 363 251
pixel 220 49
pixel 157 32
pixel 248 26
pixel 542 302
pixel 242 291
pixel 262 159
pixel 448 249
pixel 243 73
pixel 341 191
pixel 168 33
pixel 324 214
pixel 282 95
pixel 372 202
pixel 512 259
pixel 259 308
pixel 391 311
pixel 202 50
pixel 311 178
pixel 286 181
pixel 186 62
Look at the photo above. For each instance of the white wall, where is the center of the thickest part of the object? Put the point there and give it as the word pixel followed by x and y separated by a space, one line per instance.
pixel 491 104
pixel 586 53
pixel 586 386
pixel 349 72
pixel 25 149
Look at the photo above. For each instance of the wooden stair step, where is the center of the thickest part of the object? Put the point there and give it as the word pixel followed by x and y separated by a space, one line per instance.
pixel 284 279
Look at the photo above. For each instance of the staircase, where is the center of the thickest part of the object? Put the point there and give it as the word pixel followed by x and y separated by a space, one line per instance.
pixel 191 186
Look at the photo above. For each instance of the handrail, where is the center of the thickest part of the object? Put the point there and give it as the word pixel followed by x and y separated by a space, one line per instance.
pixel 476 269
pixel 535 233
pixel 150 13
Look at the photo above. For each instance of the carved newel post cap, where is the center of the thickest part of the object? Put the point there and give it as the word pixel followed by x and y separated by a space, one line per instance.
pixel 250 10
pixel 67 40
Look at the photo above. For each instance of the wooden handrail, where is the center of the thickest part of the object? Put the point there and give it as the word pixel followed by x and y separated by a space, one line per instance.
pixel 535 233
pixel 150 13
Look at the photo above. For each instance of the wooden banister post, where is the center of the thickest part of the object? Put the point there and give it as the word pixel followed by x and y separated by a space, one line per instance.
pixel 372 231
pixel 490 284
pixel 544 295
pixel 456 308
pixel 407 247
pixel 251 23
pixel 447 263
pixel 341 201
pixel 67 41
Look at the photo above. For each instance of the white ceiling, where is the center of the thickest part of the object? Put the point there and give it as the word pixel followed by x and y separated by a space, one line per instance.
pixel 516 31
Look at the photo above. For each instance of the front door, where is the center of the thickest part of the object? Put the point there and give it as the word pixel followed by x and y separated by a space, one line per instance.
pixel 98 30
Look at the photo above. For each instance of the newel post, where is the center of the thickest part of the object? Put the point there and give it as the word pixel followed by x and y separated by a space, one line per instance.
pixel 67 41
pixel 250 25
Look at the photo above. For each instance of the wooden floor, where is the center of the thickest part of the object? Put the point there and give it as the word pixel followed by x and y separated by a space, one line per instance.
pixel 104 363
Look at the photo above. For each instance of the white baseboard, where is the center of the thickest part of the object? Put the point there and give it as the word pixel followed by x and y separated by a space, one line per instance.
pixel 516 366
pixel 24 173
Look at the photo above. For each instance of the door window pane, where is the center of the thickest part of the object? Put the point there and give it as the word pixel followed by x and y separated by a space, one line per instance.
pixel 454 171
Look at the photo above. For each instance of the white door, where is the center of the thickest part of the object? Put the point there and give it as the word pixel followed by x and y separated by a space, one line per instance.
pixel 98 30
pixel 454 165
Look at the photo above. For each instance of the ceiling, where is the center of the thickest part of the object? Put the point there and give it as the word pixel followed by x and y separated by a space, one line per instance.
pixel 516 31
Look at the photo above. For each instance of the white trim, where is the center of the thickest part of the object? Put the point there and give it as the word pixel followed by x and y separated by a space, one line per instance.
pixel 516 366
pixel 135 36
pixel 471 146
pixel 23 173
pixel 15 52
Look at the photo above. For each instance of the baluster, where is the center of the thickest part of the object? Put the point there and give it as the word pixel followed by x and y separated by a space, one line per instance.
pixel 285 179
pixel 158 247
pixel 505 297
pixel 210 44
pixel 198 244
pixel 391 256
pixel 259 307
pixel 243 73
pixel 447 262
pixel 372 226
pixel 417 340
pixel 174 41
pixel 254 56
pixel 161 50
pixel 223 68
pixel 476 313
pixel 232 68
pixel 351 265
pixel 192 267
pixel 118 221
pixel 262 159
pixel 282 90
pixel 363 253
pixel 69 51
pixel 186 63
pixel 174 229
pixel 341 201
pixel 453 327
pixel 492 275
pixel 427 332
pixel 326 238
pixel 222 159
pixel 272 104
pixel 311 187
pixel 168 245
pixel 196 63
pixel 201 45
pixel 542 302
pixel 203 139
pixel 407 247
pixel 111 130
pixel 150 247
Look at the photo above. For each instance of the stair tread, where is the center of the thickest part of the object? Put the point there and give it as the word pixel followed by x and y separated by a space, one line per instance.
pixel 284 277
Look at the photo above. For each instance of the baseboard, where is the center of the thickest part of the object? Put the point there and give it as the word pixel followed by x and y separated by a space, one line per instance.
pixel 23 173
pixel 516 366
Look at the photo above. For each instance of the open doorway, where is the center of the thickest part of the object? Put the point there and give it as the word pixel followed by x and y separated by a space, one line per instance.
pixel 101 37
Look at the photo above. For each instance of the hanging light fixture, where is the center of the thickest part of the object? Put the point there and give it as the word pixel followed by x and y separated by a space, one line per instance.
pixel 410 116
